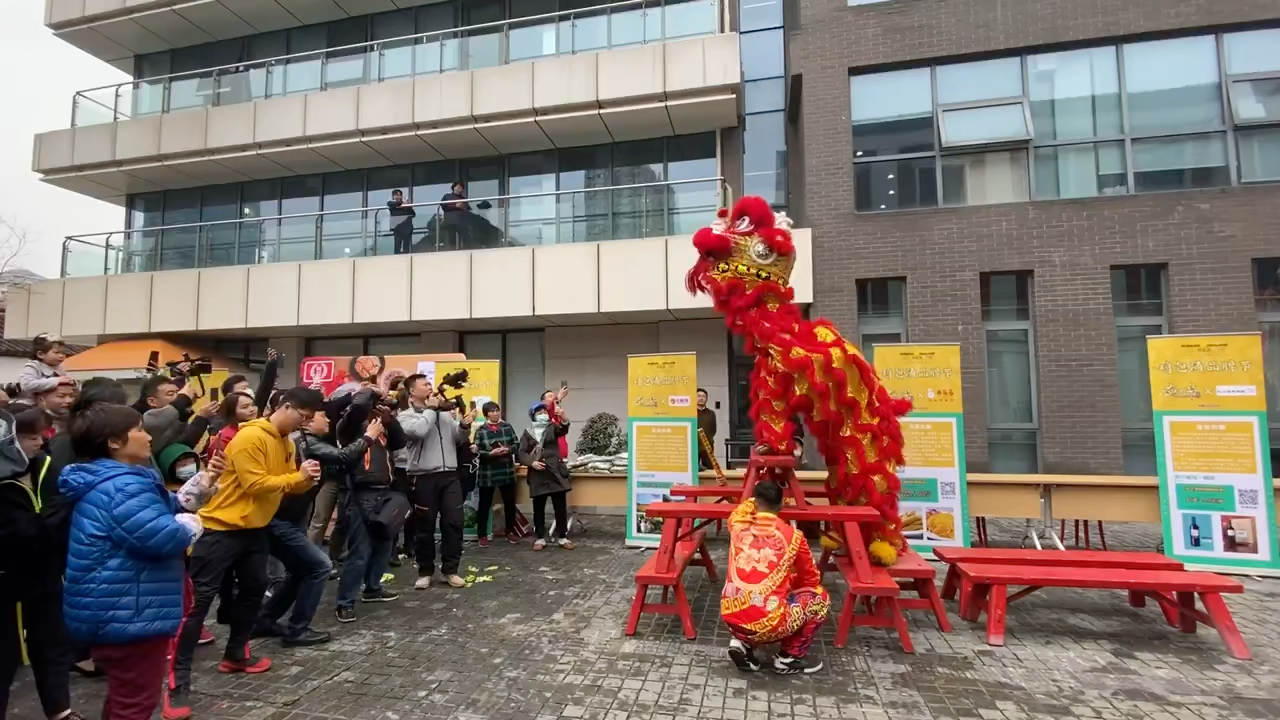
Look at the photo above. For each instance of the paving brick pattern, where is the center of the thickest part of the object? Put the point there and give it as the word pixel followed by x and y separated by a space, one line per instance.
pixel 544 640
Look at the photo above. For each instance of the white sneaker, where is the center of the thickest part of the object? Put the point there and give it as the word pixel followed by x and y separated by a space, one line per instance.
pixel 742 656
pixel 539 544
pixel 422 583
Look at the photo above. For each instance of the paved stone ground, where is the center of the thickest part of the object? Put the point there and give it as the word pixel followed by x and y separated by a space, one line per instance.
pixel 544 640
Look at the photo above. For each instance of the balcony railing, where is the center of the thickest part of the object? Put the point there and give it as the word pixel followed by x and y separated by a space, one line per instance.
pixel 620 212
pixel 602 27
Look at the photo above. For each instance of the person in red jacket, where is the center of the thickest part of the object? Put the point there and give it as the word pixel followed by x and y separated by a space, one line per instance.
pixel 774 591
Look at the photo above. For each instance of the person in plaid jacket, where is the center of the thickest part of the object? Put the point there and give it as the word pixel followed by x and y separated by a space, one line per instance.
pixel 496 444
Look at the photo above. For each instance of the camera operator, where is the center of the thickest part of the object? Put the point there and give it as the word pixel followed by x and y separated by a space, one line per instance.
pixel 369 543
pixel 436 490
pixel 166 406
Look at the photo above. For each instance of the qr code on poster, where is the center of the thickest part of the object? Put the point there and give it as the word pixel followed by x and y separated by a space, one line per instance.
pixel 947 489
pixel 1247 498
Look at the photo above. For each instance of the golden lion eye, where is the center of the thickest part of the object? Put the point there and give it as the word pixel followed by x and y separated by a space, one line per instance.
pixel 762 253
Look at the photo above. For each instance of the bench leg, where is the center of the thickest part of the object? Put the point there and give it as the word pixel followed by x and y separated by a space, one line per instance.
pixel 637 607
pixel 951 583
pixel 666 594
pixel 1187 621
pixel 995 615
pixel 704 559
pixel 1169 610
pixel 929 591
pixel 966 598
pixel 894 608
pixel 686 616
pixel 1226 626
pixel 1137 599
pixel 845 621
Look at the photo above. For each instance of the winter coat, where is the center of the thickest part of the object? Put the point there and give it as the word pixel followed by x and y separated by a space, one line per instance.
pixel 555 478
pixel 33 533
pixel 36 377
pixel 336 465
pixel 261 469
pixel 125 565
pixel 433 438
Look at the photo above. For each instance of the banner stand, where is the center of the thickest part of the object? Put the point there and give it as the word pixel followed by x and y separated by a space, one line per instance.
pixel 662 431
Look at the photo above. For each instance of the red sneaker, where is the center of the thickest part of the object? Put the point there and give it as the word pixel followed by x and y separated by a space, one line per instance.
pixel 252 665
pixel 206 637
pixel 177 705
pixel 513 538
pixel 483 542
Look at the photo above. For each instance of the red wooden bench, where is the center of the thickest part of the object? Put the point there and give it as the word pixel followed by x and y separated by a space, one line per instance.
pixel 985 586
pixel 691 550
pixel 1100 559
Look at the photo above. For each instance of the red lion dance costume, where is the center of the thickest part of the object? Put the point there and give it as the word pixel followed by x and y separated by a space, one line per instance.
pixel 802 367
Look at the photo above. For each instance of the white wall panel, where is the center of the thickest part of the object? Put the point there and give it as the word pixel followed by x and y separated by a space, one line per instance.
pixel 680 257
pixel 224 294
pixel 566 279
pixel 17 307
pixel 332 112
pixel 633 275
pixel 274 295
pixel 84 305
pixel 382 289
pixel 328 286
pixel 802 275
pixel 138 138
pixel 173 300
pixel 44 314
pixel 441 286
pixel 128 304
pixel 502 283
pixel 230 126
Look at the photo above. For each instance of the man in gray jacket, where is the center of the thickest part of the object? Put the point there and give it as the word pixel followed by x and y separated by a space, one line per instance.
pixel 433 437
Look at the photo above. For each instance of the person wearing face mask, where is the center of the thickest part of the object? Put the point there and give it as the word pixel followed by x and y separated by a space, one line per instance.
pixel 548 473
pixel 124 581
pixel 32 547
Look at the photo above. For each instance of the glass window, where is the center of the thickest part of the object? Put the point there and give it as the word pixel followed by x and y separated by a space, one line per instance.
pixel 267 81
pixel 145 211
pixel 1009 377
pixel 764 160
pixel 1271 358
pixel 691 157
pixel 892 113
pixel 298 235
pixel 1013 451
pixel 441 51
pixel 984 178
pixel 977 81
pixel 1172 85
pixel 685 18
pixel 1076 171
pixel 524 373
pixel 343 68
pixel 532 220
pixel 762 54
pixel 1253 51
pixel 483 46
pixel 259 199
pixel 221 203
pixel 585 216
pixel 882 313
pixel 1266 286
pixel 148 98
pixel 394 345
pixel 484 179
pixel 1180 163
pixel 641 212
pixel 584 31
pixel 1137 301
pixel 1255 101
pixel 759 14
pixel 178 245
pixel 335 347
pixel 896 184
pixel 1266 291
pixel 396 56
pixel 482 346
pixel 379 184
pixel 1075 94
pixel 302 74
pixel 993 123
pixel 1006 296
pixel 533 38
pixel 765 95
pixel 342 234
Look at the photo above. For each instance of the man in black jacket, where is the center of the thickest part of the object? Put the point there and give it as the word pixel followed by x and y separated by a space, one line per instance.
pixel 401 223
pixel 369 487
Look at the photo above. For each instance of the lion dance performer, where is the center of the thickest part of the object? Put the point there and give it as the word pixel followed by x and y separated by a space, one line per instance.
pixel 802 367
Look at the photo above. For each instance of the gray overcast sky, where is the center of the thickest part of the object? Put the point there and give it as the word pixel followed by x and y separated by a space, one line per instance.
pixel 41 74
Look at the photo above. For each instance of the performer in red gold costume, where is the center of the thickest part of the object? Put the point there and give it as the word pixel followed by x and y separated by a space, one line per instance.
pixel 774 591
pixel 803 367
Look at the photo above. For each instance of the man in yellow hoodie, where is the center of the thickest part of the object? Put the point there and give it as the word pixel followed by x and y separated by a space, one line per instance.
pixel 261 470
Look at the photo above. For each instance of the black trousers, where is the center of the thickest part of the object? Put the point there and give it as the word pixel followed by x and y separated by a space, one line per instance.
pixel 243 552
pixel 48 648
pixel 560 505
pixel 403 234
pixel 401 483
pixel 486 504
pixel 437 495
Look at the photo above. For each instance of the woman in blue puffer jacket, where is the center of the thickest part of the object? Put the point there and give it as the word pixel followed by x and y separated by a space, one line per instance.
pixel 124 578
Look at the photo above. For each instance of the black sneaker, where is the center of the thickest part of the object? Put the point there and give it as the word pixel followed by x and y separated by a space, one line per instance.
pixel 345 615
pixel 378 596
pixel 263 630
pixel 335 573
pixel 784 665
pixel 308 637
pixel 743 657
pixel 394 562
pixel 177 703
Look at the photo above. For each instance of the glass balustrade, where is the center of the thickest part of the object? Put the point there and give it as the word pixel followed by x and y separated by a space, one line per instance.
pixel 535 218
pixel 616 25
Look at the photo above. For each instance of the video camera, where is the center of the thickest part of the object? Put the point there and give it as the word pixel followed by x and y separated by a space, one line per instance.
pixel 196 366
pixel 455 380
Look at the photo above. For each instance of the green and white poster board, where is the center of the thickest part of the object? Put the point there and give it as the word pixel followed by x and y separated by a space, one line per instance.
pixel 933 501
pixel 1210 413
pixel 662 429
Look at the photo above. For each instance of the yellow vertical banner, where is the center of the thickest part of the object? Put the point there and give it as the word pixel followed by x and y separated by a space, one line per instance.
pixel 1209 407
pixel 662 427
pixel 934 500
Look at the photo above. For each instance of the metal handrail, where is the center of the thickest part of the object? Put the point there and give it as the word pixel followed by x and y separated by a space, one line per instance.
pixel 370 212
pixel 249 65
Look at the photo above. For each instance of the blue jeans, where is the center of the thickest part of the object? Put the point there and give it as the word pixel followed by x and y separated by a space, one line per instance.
pixel 306 570
pixel 366 557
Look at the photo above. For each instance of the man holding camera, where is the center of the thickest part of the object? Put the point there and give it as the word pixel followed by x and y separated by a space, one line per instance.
pixel 433 436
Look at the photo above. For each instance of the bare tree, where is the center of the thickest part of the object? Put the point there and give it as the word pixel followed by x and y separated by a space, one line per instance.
pixel 13 243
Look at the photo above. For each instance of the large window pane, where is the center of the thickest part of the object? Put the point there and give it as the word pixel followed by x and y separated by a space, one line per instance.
pixel 145 211
pixel 218 246
pixel 1254 51
pixel 689 205
pixel 260 199
pixel 1009 396
pixel 1138 452
pixel 867 342
pixel 892 112
pixel 395 58
pixel 983 80
pixel 984 178
pixel 267 80
pixel 442 50
pixel 759 14
pixel 532 220
pixel 483 45
pixel 394 345
pixel 1271 358
pixel 380 183
pixel 1076 171
pixel 994 123
pixel 303 74
pixel 1137 291
pixel 343 68
pixel 585 216
pixel 1172 85
pixel 882 313
pixel 1133 373
pixel 178 245
pixel 765 157
pixel 1013 451
pixel 1180 163
pixel 764 95
pixel 298 235
pixel 1259 152
pixel 1075 94
pixel 1266 286
pixel 762 53
pixel 487 218
pixel 342 234
pixel 639 213
pixel 896 184
pixel 1256 101
pixel 531 38
pixel 1006 296
pixel 431 182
